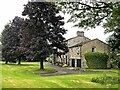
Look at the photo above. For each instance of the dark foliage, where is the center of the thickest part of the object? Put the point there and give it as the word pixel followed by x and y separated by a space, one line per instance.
pixel 43 30
pixel 11 40
pixel 96 60
pixel 106 80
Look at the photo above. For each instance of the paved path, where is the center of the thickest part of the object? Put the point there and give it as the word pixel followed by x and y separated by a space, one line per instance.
pixel 64 71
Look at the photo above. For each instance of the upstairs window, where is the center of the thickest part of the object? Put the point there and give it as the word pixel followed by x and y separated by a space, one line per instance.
pixel 78 50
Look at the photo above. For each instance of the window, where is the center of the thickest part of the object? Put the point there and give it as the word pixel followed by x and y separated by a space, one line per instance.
pixel 93 49
pixel 78 50
pixel 71 49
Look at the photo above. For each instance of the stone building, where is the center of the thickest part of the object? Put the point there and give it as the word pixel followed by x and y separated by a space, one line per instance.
pixel 78 46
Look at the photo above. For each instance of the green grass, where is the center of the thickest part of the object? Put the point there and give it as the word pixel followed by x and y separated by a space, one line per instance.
pixel 99 70
pixel 27 75
pixel 106 79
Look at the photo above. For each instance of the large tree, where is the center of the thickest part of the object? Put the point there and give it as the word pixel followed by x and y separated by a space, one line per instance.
pixel 11 50
pixel 88 14
pixel 113 25
pixel 5 44
pixel 45 30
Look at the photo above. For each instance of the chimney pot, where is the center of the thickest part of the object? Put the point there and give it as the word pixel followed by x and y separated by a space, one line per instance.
pixel 80 33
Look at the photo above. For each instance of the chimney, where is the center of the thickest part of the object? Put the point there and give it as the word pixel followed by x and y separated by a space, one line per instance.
pixel 80 33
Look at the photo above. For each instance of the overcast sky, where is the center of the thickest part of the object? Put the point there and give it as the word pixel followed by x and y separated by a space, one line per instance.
pixel 11 8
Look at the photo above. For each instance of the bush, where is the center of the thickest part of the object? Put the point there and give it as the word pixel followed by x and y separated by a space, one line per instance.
pixel 96 60
pixel 65 65
pixel 106 80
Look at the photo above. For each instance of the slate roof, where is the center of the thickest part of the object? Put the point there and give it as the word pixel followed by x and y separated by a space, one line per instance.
pixel 80 40
pixel 84 42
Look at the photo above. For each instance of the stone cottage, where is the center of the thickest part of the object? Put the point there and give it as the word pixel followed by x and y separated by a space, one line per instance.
pixel 78 46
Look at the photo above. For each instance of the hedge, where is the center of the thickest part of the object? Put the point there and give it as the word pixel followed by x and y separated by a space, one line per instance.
pixel 96 59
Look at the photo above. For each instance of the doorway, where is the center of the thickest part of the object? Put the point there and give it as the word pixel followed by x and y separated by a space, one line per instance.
pixel 66 59
pixel 78 62
pixel 73 62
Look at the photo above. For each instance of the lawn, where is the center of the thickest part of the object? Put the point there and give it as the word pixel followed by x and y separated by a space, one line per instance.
pixel 98 70
pixel 27 75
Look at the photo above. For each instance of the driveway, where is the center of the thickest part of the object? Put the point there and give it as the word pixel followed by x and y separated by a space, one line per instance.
pixel 64 71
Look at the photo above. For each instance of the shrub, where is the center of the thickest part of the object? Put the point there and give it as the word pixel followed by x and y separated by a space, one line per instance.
pixel 65 65
pixel 106 80
pixel 96 59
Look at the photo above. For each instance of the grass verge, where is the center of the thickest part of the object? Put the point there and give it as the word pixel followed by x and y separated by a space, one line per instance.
pixel 98 70
pixel 26 76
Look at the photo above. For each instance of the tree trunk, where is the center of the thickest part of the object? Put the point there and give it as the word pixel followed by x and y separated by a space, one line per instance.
pixel 41 65
pixel 19 61
pixel 119 65
pixel 6 62
pixel 54 59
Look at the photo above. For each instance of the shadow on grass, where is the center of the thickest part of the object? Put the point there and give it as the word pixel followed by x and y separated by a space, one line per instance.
pixel 38 72
pixel 13 64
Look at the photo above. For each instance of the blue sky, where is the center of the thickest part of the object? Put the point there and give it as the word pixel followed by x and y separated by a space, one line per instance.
pixel 11 8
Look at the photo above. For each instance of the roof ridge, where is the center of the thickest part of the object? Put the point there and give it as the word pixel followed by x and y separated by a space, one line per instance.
pixel 83 43
pixel 78 36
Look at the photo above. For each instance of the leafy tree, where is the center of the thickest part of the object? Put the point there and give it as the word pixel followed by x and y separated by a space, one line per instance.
pixel 5 43
pixel 44 29
pixel 0 47
pixel 113 25
pixel 0 38
pixel 11 40
pixel 87 14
